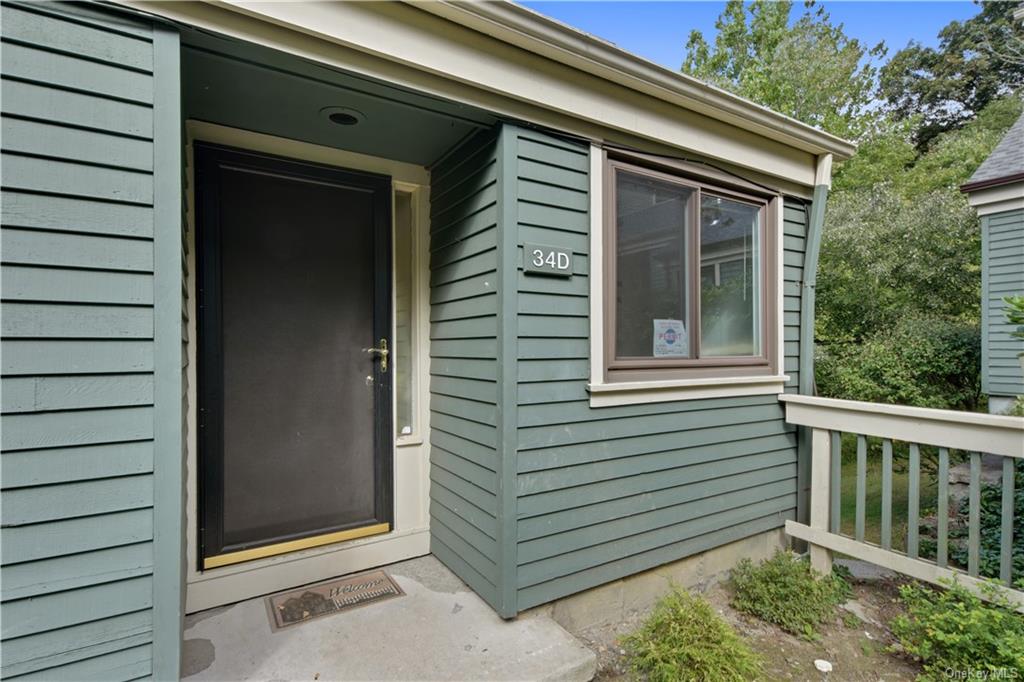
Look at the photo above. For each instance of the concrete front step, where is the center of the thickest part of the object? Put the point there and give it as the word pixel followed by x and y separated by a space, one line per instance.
pixel 439 631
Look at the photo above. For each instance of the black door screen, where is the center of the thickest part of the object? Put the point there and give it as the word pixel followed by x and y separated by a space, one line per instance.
pixel 294 285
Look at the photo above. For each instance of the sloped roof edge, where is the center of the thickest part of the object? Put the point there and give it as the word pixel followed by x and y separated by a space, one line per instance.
pixel 1005 163
pixel 530 30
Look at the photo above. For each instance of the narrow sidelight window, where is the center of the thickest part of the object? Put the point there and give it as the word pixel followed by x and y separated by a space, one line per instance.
pixel 689 286
pixel 405 351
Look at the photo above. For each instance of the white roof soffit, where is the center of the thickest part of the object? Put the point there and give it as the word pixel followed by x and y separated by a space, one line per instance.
pixel 530 30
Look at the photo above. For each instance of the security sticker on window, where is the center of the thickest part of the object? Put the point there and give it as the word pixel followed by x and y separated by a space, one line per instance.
pixel 547 260
pixel 670 339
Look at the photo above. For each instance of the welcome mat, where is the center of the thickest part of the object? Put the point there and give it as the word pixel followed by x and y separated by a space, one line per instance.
pixel 327 598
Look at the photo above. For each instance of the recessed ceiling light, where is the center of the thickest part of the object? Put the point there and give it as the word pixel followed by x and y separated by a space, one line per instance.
pixel 342 116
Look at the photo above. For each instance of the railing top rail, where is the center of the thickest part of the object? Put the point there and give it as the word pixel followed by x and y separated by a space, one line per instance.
pixel 989 433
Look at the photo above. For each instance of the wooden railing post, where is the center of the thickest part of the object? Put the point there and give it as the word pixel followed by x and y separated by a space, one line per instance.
pixel 821 467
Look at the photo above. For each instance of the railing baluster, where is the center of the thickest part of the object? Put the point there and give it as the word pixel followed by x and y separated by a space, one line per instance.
pixel 965 548
pixel 1006 539
pixel 913 499
pixel 862 473
pixel 834 480
pixel 974 516
pixel 942 548
pixel 886 494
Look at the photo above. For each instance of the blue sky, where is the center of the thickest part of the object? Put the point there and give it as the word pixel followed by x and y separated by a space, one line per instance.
pixel 658 30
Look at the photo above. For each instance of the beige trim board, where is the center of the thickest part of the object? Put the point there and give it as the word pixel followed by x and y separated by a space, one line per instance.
pixel 409 175
pixel 561 42
pixel 998 199
pixel 598 157
pixel 915 568
pixel 996 434
pixel 291 570
pixel 409 47
pixel 644 392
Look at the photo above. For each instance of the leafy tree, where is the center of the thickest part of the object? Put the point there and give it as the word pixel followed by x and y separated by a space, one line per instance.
pixel 884 256
pixel 811 71
pixel 883 155
pixel 976 62
pixel 953 156
pixel 899 276
pixel 888 154
pixel 900 237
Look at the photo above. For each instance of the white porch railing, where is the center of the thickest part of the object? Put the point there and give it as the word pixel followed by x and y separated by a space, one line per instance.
pixel 941 432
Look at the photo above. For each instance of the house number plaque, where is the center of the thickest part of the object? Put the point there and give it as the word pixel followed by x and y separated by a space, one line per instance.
pixel 547 260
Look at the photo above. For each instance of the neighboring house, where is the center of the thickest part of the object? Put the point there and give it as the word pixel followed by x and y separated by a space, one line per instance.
pixel 996 190
pixel 292 290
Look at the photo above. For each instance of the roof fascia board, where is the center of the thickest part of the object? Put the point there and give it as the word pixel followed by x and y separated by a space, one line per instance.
pixel 432 55
pixel 996 199
pixel 992 182
pixel 532 31
pixel 436 44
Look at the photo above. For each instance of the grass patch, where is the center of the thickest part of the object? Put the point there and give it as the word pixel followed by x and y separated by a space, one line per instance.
pixel 684 639
pixel 873 499
pixel 953 633
pixel 784 590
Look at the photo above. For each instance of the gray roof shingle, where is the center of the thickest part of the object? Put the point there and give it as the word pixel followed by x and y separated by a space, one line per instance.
pixel 1006 160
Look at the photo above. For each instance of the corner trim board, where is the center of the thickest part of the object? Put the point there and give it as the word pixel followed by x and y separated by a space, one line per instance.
pixel 985 324
pixel 169 418
pixel 507 346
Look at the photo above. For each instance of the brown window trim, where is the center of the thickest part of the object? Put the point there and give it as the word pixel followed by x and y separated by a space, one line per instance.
pixel 649 369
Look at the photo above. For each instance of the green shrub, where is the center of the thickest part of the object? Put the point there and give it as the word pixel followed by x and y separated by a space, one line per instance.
pixel 1017 410
pixel 1015 315
pixel 784 590
pixel 919 361
pixel 684 639
pixel 992 530
pixel 953 632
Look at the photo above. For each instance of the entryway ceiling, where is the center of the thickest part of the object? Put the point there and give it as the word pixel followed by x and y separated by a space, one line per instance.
pixel 243 85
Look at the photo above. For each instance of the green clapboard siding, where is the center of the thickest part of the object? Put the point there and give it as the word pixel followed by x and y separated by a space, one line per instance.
pixel 464 366
pixel 80 109
pixel 604 493
pixel 1002 275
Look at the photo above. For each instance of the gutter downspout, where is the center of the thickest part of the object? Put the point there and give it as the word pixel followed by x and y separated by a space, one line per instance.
pixel 812 248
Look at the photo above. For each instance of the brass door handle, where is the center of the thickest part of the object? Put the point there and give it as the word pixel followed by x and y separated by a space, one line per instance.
pixel 382 353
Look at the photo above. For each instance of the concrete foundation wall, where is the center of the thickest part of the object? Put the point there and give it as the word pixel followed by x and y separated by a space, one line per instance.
pixel 617 601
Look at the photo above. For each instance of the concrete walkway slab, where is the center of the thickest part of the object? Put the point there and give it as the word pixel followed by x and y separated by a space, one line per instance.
pixel 439 631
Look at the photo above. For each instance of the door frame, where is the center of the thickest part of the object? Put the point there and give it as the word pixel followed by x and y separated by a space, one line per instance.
pixel 409 535
pixel 209 157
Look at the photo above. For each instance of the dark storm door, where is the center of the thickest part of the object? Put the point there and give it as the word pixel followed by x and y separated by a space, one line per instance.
pixel 294 301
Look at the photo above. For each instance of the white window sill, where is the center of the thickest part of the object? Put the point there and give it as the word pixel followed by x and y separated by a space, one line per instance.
pixel 641 392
